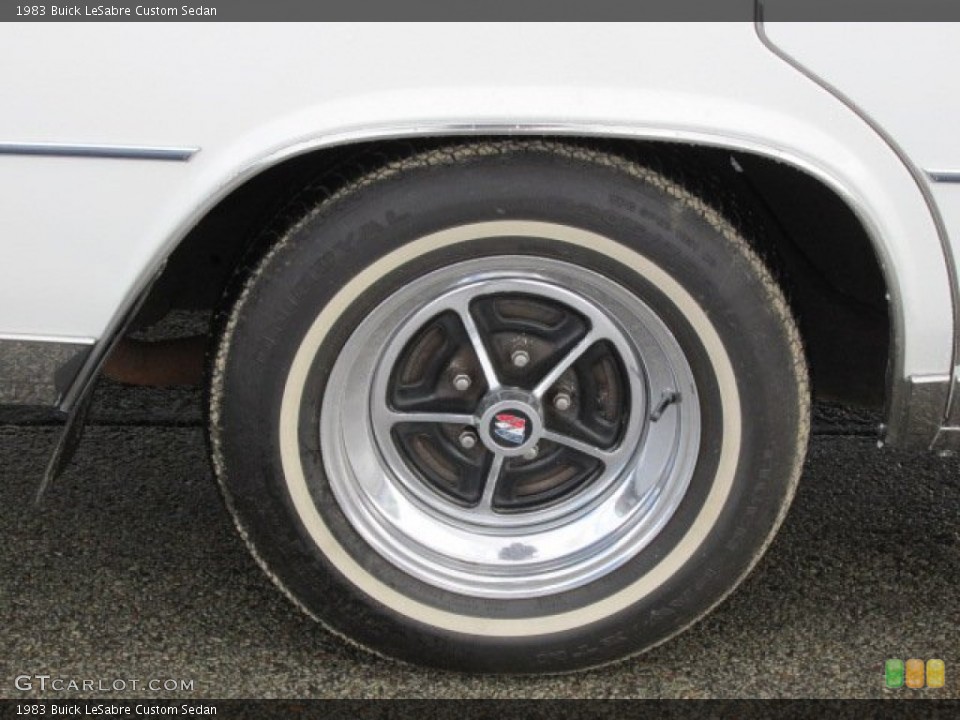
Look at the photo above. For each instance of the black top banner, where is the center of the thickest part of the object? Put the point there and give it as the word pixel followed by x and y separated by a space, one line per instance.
pixel 488 10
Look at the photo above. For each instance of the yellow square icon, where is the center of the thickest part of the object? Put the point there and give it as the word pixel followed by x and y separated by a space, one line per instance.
pixel 936 673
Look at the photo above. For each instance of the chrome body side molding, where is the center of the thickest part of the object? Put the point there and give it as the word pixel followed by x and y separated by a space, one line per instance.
pixel 944 176
pixel 91 150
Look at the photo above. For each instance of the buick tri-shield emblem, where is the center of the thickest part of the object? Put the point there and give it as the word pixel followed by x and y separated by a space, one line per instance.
pixel 510 428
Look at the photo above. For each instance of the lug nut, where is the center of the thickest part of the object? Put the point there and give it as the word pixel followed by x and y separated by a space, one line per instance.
pixel 462 382
pixel 520 358
pixel 562 402
pixel 532 453
pixel 468 440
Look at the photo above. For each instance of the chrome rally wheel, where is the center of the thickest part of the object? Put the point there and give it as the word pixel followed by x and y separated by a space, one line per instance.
pixel 508 407
pixel 570 444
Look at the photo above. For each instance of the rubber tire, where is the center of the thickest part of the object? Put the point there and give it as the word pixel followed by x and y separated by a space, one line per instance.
pixel 410 198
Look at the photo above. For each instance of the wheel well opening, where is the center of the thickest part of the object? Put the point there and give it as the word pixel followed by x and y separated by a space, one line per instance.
pixel 809 237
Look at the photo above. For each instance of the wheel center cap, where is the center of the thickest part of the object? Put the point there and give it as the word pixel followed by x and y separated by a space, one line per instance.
pixel 510 428
pixel 510 422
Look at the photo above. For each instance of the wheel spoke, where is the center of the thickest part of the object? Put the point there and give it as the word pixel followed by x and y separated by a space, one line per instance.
pixel 473 332
pixel 490 484
pixel 395 418
pixel 605 456
pixel 561 367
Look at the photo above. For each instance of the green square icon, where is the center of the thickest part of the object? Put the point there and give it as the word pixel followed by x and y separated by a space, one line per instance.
pixel 893 673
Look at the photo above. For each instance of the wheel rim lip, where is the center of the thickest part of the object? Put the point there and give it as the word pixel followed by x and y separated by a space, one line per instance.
pixel 383 510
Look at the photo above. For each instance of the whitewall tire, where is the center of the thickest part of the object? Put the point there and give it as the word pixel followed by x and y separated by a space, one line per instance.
pixel 508 407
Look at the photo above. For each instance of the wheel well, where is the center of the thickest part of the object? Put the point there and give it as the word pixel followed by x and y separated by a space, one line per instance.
pixel 810 238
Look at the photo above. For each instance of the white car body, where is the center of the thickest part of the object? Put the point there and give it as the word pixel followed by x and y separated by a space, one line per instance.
pixel 116 139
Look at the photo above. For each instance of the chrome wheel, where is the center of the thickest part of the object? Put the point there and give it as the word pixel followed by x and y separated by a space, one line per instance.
pixel 510 427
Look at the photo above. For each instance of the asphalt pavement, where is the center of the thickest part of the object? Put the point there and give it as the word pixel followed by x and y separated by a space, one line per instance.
pixel 131 570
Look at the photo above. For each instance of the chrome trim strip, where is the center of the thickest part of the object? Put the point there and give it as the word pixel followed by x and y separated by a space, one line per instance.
pixel 944 176
pixel 61 339
pixel 91 150
pixel 39 372
pixel 899 395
